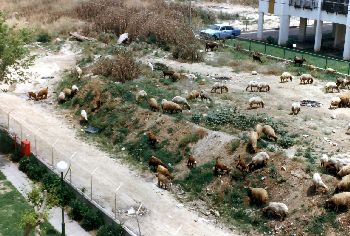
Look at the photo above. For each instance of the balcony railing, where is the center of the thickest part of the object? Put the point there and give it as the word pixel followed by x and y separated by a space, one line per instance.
pixel 304 4
pixel 337 7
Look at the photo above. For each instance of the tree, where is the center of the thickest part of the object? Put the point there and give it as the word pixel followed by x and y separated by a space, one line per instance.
pixel 32 219
pixel 12 47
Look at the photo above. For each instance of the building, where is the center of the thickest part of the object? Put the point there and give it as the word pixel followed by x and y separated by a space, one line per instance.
pixel 334 11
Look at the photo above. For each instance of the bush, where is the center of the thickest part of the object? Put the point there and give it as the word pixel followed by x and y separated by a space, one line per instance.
pixel 285 141
pixel 91 220
pixel 24 164
pixel 78 209
pixel 235 144
pixel 110 230
pixel 196 118
pixel 188 52
pixel 121 68
pixel 289 43
pixel 12 47
pixel 16 155
pixel 43 37
pixel 6 143
pixel 271 40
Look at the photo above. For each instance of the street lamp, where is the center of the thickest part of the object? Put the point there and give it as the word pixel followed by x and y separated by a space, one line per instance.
pixel 62 167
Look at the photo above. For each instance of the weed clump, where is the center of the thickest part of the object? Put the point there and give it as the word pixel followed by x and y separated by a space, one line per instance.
pixel 121 68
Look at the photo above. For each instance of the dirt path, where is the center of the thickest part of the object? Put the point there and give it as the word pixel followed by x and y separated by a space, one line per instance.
pixel 165 216
pixel 326 133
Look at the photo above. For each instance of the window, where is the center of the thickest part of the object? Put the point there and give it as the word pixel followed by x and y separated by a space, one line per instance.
pixel 229 28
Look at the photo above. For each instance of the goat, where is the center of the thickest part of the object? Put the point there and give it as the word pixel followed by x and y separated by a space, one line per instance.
pixel 299 61
pixel 257 57
pixel 191 162
pixel 221 168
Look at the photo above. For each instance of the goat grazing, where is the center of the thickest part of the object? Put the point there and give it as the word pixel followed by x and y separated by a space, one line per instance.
pixel 299 61
pixel 191 162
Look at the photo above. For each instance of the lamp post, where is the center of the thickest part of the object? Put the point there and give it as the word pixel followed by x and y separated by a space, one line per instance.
pixel 62 167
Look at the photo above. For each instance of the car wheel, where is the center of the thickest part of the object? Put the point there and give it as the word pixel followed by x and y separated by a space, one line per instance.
pixel 215 37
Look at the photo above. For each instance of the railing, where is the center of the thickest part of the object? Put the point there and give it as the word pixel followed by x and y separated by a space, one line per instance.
pixel 335 7
pixel 304 4
pixel 284 53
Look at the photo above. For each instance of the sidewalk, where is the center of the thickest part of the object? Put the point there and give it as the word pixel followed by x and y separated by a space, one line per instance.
pixel 24 185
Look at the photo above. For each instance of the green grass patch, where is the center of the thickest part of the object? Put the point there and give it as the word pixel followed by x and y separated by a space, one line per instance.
pixel 319 224
pixel 198 178
pixel 141 150
pixel 12 207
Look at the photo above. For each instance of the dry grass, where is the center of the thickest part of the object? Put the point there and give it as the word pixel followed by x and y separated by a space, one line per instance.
pixel 252 3
pixel 47 15
pixel 121 68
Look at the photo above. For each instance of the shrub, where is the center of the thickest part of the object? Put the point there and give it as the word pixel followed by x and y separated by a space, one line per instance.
pixel 6 143
pixel 121 68
pixel 12 47
pixel 91 220
pixel 110 230
pixel 24 164
pixel 78 209
pixel 289 43
pixel 188 52
pixel 43 37
pixel 235 144
pixel 196 118
pixel 271 40
pixel 16 155
pixel 285 141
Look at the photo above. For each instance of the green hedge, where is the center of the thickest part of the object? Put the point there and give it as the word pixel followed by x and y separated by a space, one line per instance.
pixel 90 219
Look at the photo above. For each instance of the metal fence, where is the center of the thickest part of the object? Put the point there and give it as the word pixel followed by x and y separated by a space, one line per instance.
pixel 76 176
pixel 284 53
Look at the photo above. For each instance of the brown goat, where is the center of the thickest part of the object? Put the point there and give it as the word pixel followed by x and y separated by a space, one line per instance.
pixel 241 165
pixel 32 95
pixel 152 139
pixel 220 168
pixel 299 61
pixel 168 73
pixel 257 57
pixel 191 162
pixel 42 94
pixel 211 45
pixel 164 171
pixel 163 181
pixel 155 162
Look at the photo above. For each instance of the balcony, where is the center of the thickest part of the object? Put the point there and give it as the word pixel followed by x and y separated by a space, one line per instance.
pixel 335 6
pixel 304 4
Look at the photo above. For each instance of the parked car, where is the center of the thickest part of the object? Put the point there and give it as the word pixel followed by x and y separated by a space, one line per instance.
pixel 220 31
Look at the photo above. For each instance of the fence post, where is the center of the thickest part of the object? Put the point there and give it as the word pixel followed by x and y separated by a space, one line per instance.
pixel 52 157
pixel 265 48
pixel 91 187
pixel 326 63
pixel 250 45
pixel 349 68
pixel 36 149
pixel 284 53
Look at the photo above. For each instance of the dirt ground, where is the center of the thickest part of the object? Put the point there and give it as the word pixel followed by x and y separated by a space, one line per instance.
pixel 321 128
pixel 325 128
pixel 165 216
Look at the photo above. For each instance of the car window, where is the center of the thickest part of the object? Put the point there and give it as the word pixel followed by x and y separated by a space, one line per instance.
pixel 229 28
pixel 223 28
pixel 214 27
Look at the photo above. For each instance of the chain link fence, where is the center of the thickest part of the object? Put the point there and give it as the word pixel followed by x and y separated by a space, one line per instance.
pixel 93 188
pixel 284 53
